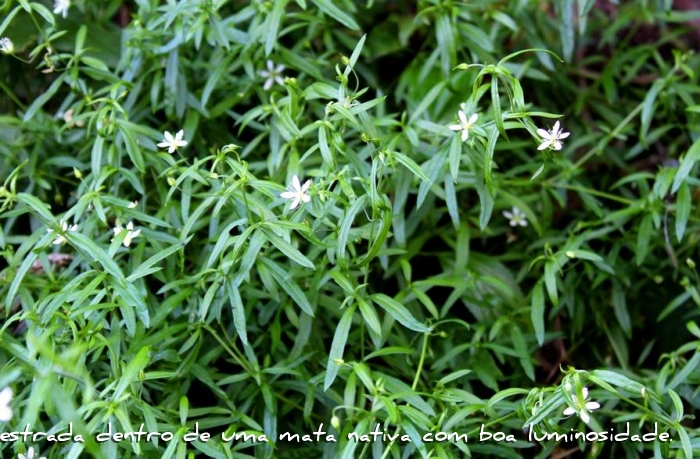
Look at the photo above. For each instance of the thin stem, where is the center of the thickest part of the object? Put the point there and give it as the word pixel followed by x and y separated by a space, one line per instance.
pixel 422 359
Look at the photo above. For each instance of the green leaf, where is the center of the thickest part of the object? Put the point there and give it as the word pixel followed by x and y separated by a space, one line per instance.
pixel 683 206
pixel 565 20
pixel 550 281
pixel 686 165
pixel 537 312
pixel 427 101
pixel 272 24
pixel 410 165
pixel 43 98
pixel 96 155
pixel 237 308
pixel 287 249
pixel 584 255
pixel 643 239
pixel 685 442
pixel 648 108
pixel 455 156
pixel 399 312
pixel 620 308
pixel 338 347
pixel 145 267
pixel 488 159
pixel 336 13
pixel 346 224
pixel 370 316
pixel 496 104
pixel 131 373
pixel 39 209
pixel 19 277
pixel 381 235
pixel 682 376
pixel 486 201
pixel 616 379
pixel 8 19
pixel 355 54
pixel 285 281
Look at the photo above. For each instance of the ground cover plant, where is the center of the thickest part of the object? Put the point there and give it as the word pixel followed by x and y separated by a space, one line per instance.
pixel 319 228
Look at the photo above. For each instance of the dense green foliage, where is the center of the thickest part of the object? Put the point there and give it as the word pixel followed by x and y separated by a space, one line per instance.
pixel 440 272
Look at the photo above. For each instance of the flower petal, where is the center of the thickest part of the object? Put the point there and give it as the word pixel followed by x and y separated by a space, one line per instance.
pixel 590 406
pixel 564 135
pixel 584 416
pixel 5 396
pixel 287 194
pixel 306 186
pixel 455 127
pixel 542 133
pixel 569 411
pixel 268 84
pixel 296 184
pixel 462 117
pixel 465 135
pixel 555 129
pixel 544 145
pixel 295 203
pixel 473 118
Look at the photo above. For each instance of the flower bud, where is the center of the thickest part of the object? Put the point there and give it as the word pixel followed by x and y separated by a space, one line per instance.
pixel 6 45
pixel 335 422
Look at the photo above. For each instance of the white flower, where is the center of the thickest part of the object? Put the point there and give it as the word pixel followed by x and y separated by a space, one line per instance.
pixel 133 204
pixel 464 124
pixel 171 143
pixel 130 233
pixel 6 45
pixel 582 408
pixel 273 74
pixel 5 399
pixel 298 192
pixel 30 454
pixel 552 138
pixel 517 217
pixel 60 239
pixel 61 7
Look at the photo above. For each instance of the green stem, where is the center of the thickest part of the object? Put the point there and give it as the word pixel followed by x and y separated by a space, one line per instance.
pixel 601 194
pixel 422 359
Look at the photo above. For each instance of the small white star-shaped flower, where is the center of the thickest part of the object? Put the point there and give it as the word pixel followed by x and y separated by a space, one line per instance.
pixel 464 124
pixel 297 193
pixel 130 233
pixel 582 408
pixel 516 217
pixel 61 7
pixel 60 239
pixel 172 143
pixel 6 45
pixel 552 138
pixel 273 74
pixel 5 399
pixel 30 454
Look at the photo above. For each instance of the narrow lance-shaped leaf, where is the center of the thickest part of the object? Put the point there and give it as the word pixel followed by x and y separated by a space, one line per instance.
pixel 399 312
pixel 537 312
pixel 338 346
